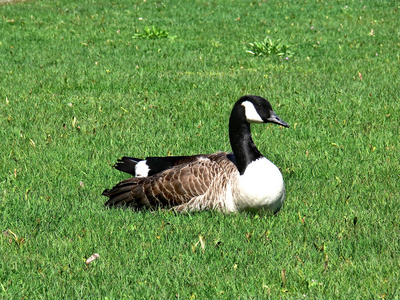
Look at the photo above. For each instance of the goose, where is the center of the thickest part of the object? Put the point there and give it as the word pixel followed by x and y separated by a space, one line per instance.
pixel 244 180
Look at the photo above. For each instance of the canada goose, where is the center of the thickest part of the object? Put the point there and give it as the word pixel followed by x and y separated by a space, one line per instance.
pixel 244 180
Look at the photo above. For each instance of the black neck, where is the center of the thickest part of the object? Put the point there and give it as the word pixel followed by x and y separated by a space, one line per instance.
pixel 242 144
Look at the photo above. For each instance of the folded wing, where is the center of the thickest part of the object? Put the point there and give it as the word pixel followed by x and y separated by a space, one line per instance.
pixel 175 186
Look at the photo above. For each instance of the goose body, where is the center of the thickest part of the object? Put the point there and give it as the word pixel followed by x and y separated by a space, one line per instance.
pixel 227 182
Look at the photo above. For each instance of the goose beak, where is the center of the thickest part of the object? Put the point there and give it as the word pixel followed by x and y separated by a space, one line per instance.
pixel 274 118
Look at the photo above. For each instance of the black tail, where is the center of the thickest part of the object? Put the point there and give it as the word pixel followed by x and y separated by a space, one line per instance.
pixel 127 164
pixel 155 164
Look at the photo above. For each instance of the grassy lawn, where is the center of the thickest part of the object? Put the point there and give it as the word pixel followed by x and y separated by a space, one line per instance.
pixel 83 83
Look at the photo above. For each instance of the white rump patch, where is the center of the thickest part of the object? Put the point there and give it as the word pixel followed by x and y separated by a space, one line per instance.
pixel 251 113
pixel 142 169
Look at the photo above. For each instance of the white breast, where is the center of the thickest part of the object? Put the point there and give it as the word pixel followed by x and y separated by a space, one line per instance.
pixel 260 187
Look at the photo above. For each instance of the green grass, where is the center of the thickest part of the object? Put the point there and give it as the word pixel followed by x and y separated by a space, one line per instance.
pixel 77 91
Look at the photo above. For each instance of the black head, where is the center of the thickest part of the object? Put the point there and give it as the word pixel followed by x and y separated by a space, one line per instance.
pixel 256 109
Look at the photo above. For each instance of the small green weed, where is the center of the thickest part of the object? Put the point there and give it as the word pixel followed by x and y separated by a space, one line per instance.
pixel 268 47
pixel 152 33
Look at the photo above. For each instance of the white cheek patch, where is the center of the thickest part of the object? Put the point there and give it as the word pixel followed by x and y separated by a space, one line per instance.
pixel 251 113
pixel 142 169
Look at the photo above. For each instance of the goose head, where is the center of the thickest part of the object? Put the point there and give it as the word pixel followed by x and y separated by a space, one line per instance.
pixel 256 109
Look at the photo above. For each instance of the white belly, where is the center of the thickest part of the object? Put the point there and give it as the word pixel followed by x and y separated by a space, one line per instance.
pixel 260 187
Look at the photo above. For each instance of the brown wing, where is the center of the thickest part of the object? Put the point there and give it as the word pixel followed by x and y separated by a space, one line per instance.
pixel 173 187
